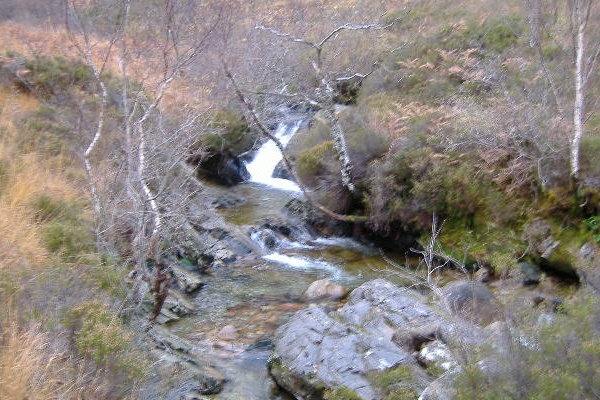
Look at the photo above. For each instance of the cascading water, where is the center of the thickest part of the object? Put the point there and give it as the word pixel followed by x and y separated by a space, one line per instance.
pixel 268 156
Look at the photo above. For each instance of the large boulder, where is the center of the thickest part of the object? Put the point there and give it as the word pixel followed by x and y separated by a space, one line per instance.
pixel 470 300
pixel 224 168
pixel 352 350
pixel 546 251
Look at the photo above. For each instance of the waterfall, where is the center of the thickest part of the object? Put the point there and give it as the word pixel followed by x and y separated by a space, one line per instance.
pixel 268 156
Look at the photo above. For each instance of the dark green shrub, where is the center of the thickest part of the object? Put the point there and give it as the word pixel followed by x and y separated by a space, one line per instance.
pixel 99 334
pixel 558 360
pixel 68 238
pixel 54 75
pixel 48 208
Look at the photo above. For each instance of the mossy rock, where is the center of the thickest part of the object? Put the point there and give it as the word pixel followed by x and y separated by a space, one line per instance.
pixel 231 133
pixel 341 394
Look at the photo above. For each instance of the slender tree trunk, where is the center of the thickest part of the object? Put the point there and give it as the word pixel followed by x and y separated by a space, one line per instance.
pixel 89 169
pixel 578 108
pixel 339 142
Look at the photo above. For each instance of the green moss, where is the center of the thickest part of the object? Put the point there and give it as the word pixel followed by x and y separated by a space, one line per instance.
pixel 231 133
pixel 396 383
pixel 341 394
pixel 550 52
pixel 311 162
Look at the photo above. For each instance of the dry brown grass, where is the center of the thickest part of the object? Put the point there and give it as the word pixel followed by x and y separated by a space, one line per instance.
pixel 51 41
pixel 26 176
pixel 31 368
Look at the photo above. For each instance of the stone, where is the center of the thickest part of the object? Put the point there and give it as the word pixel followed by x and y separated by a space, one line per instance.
pixel 438 355
pixel 470 300
pixel 282 172
pixel 224 168
pixel 531 274
pixel 178 303
pixel 317 351
pixel 324 290
pixel 442 388
pixel 228 332
pixel 188 281
pixel 228 200
pixel 589 265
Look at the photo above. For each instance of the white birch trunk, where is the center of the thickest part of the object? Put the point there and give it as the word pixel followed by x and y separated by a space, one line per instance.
pixel 89 169
pixel 339 142
pixel 578 108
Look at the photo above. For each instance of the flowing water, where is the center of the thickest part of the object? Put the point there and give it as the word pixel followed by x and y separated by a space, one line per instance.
pixel 268 156
pixel 257 297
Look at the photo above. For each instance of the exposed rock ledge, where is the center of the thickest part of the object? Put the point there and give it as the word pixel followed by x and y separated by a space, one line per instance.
pixel 357 348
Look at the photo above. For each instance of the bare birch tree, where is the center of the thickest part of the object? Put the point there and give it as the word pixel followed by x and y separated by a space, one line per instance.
pixel 584 49
pixel 152 191
pixel 328 88
pixel 96 58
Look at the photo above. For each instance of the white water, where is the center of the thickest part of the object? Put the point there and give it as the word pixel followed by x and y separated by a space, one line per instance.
pixel 268 156
pixel 332 271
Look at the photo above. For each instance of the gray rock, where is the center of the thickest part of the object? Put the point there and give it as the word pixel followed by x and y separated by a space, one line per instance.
pixel 589 265
pixel 228 200
pixel 178 303
pixel 188 281
pixel 198 376
pixel 442 388
pixel 281 171
pixel 531 273
pixel 470 300
pixel 316 351
pixel 438 355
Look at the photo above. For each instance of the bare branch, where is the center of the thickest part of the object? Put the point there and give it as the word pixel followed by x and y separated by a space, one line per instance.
pixel 286 160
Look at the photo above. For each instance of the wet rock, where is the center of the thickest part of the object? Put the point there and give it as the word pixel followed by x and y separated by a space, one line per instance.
pixel 224 168
pixel 317 351
pixel 228 200
pixel 282 172
pixel 589 262
pixel 470 300
pixel 290 228
pixel 306 213
pixel 197 376
pixel 228 332
pixel 324 290
pixel 188 281
pixel 531 274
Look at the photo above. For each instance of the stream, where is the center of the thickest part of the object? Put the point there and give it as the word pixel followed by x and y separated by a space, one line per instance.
pixel 243 303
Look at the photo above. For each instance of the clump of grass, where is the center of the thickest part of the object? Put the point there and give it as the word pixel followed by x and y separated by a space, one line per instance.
pixel 99 334
pixel 30 368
